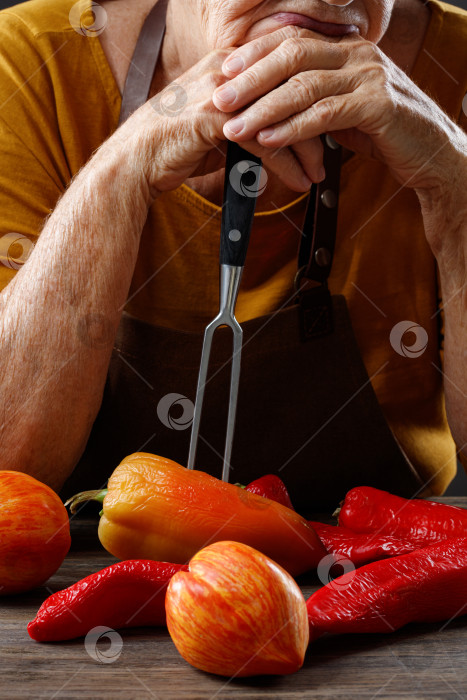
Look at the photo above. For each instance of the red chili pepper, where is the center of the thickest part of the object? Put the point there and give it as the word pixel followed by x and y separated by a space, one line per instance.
pixel 366 509
pixel 271 486
pixel 427 585
pixel 127 594
pixel 359 549
pixel 341 541
pixel 338 540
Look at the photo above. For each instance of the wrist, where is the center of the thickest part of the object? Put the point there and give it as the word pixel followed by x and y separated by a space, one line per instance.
pixel 125 156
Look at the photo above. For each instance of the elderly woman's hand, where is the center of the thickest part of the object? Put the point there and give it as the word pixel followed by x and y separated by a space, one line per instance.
pixel 296 85
pixel 178 133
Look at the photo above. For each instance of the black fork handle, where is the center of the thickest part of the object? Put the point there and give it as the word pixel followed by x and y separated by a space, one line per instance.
pixel 243 185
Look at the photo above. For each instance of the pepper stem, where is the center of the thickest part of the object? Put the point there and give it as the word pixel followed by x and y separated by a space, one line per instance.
pixel 85 496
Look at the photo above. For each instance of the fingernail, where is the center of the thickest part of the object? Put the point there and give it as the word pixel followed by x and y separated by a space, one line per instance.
pixel 226 94
pixel 321 174
pixel 306 182
pixel 235 64
pixel 266 133
pixel 236 125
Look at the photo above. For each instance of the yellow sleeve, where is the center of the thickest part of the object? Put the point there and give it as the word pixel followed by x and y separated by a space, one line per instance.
pixel 32 173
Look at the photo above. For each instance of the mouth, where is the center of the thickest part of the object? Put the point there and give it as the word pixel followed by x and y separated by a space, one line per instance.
pixel 327 28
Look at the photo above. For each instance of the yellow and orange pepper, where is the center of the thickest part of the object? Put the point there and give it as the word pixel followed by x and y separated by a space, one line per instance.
pixel 156 509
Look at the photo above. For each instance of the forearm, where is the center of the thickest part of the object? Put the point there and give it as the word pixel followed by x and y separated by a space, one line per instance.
pixel 59 316
pixel 455 352
pixel 445 218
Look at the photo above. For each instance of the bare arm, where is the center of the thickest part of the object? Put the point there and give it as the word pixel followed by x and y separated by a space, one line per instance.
pixel 59 316
pixel 445 218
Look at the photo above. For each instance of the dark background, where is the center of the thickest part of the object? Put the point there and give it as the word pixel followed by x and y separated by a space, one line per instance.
pixel 459 485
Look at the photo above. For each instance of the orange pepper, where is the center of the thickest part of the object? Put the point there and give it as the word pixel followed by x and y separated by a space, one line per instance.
pixel 156 509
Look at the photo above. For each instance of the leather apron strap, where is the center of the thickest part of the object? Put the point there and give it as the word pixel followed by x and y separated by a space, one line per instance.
pixel 316 249
pixel 144 60
pixel 306 410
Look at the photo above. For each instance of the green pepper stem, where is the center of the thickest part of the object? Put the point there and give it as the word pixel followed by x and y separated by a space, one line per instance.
pixel 85 496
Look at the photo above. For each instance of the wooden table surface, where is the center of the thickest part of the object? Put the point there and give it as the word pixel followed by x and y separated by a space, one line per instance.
pixel 419 661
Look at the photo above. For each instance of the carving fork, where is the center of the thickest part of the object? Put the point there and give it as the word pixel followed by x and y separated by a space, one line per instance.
pixel 240 195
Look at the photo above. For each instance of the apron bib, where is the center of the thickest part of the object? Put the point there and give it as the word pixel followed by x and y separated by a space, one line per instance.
pixel 306 407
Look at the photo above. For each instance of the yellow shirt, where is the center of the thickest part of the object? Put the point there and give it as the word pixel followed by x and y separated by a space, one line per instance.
pixel 59 102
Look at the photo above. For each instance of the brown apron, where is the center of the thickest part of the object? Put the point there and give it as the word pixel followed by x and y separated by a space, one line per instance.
pixel 306 407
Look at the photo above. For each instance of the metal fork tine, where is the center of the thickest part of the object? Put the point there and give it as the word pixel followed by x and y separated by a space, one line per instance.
pixel 203 371
pixel 234 384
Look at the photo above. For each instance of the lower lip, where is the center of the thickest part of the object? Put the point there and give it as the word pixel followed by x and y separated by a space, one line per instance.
pixel 326 28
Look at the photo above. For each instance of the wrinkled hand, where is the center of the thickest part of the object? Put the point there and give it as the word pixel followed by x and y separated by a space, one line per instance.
pixel 296 85
pixel 178 133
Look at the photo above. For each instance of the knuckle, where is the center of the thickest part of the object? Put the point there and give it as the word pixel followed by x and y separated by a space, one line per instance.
pixel 368 51
pixel 359 50
pixel 295 50
pixel 294 128
pixel 251 78
pixel 383 88
pixel 303 89
pixel 326 110
pixel 291 32
pixel 377 72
